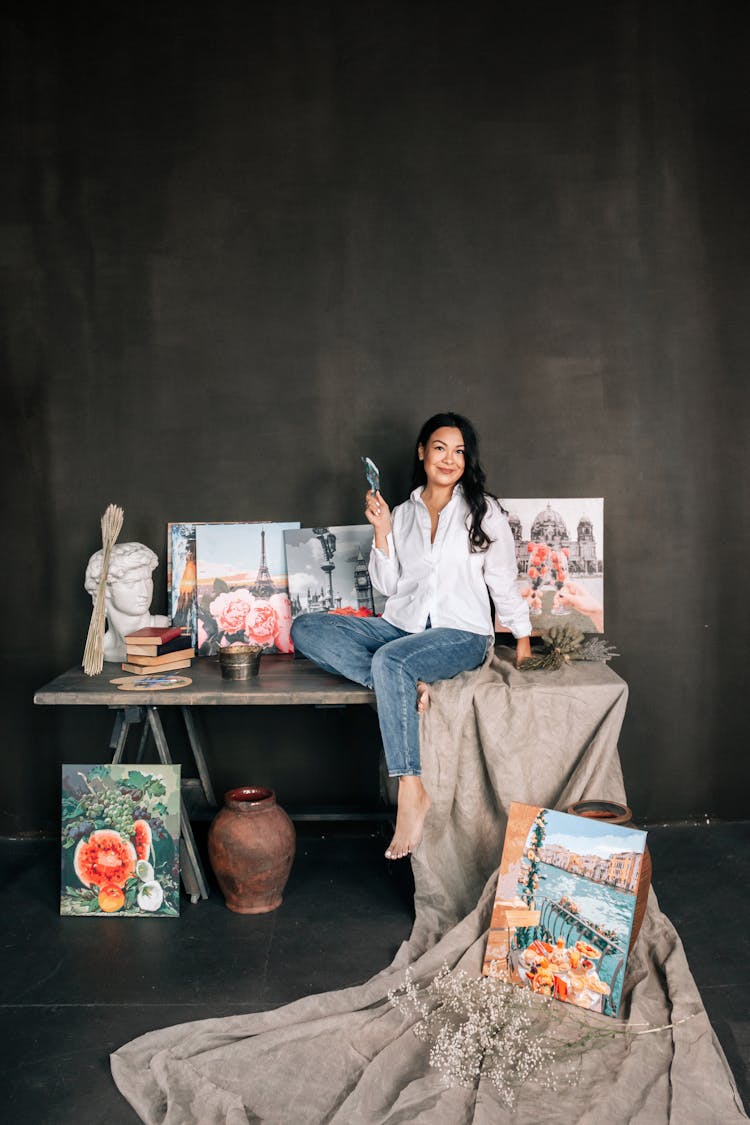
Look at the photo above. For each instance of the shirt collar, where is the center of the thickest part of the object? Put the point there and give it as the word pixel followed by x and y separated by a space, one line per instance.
pixel 416 496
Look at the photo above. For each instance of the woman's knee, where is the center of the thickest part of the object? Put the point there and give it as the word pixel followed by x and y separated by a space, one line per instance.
pixel 388 664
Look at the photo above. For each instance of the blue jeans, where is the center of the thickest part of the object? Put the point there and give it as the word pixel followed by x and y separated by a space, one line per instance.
pixel 375 653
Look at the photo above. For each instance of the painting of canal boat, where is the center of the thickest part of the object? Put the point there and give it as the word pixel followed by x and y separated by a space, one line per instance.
pixel 564 906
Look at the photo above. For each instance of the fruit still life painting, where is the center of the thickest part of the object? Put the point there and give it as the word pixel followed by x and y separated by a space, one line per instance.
pixel 120 841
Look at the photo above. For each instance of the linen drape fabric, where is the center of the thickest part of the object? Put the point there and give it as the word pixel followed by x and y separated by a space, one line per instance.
pixel 349 1058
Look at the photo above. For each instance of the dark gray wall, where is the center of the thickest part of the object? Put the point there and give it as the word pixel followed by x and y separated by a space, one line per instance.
pixel 242 246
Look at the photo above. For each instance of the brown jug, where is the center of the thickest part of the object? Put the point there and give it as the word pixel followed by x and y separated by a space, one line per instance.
pixel 251 845
pixel 613 813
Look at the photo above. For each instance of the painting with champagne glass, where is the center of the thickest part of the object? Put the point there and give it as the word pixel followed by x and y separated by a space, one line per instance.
pixel 560 557
pixel 564 906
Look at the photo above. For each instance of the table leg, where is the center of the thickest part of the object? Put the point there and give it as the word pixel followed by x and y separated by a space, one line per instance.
pixel 200 760
pixel 195 877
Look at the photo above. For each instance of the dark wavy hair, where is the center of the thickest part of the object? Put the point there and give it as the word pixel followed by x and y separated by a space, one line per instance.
pixel 473 479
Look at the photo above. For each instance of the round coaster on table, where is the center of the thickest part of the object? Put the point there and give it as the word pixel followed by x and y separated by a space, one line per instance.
pixel 153 682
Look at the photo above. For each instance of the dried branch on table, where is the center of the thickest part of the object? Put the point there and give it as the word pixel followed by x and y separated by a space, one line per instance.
pixel 563 643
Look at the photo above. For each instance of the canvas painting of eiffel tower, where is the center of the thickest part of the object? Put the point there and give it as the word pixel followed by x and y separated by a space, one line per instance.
pixel 242 589
pixel 327 570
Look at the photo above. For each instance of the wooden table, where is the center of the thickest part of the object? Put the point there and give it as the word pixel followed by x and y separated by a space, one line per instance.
pixel 283 681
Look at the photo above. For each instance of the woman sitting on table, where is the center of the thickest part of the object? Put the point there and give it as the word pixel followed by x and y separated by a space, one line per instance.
pixel 435 557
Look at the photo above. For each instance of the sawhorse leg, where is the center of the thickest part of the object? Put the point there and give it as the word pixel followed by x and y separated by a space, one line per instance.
pixel 124 719
pixel 195 883
pixel 198 755
pixel 191 869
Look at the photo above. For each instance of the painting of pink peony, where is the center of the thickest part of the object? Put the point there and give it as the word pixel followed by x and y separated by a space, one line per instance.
pixel 242 590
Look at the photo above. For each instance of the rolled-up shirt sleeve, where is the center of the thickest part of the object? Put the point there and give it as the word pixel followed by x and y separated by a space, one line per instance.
pixel 501 572
pixel 384 569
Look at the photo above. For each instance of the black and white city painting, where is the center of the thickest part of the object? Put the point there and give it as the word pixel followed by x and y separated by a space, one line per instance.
pixel 327 571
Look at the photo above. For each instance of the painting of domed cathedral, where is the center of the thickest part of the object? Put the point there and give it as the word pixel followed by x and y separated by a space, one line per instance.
pixel 560 558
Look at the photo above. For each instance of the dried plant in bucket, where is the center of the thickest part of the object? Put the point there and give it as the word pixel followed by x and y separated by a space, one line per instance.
pixel 93 653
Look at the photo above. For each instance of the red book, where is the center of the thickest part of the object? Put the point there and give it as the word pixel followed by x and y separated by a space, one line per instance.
pixel 154 634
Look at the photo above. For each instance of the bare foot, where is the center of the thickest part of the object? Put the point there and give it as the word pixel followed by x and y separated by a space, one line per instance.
pixel 413 806
pixel 423 697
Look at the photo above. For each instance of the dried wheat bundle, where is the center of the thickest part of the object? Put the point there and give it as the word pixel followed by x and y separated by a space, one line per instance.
pixel 93 653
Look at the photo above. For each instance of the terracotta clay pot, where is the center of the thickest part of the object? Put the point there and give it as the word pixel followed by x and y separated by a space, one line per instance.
pixel 251 844
pixel 613 813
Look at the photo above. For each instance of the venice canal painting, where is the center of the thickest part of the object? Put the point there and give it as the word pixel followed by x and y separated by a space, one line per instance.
pixel 564 906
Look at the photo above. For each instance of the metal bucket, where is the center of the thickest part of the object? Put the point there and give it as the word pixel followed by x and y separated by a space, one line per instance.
pixel 239 662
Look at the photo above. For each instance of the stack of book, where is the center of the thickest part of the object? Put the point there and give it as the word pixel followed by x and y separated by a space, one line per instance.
pixel 158 650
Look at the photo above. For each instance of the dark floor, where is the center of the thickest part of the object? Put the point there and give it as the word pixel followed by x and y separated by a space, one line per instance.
pixel 72 990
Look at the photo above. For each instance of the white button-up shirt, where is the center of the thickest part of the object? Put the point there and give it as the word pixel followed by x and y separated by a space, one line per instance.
pixel 445 581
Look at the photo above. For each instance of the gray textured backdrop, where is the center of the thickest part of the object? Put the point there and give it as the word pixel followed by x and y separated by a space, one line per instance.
pixel 242 246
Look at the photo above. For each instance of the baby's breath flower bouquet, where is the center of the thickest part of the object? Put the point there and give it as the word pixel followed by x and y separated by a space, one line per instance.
pixel 484 1026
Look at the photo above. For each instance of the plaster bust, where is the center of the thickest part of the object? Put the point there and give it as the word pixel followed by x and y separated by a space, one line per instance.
pixel 129 591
